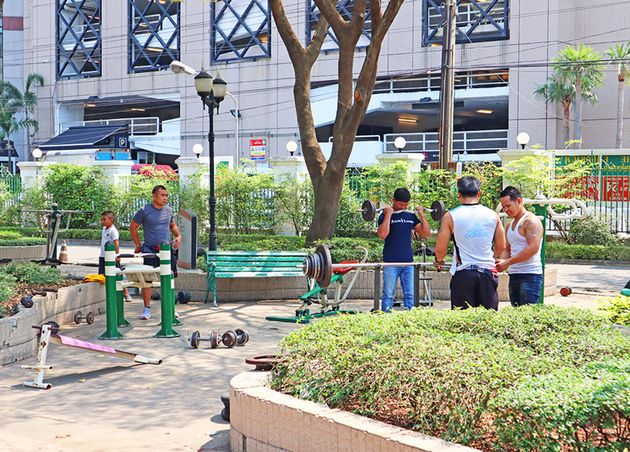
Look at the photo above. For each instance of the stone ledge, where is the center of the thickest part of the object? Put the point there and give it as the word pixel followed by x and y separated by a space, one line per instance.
pixel 18 340
pixel 23 253
pixel 265 420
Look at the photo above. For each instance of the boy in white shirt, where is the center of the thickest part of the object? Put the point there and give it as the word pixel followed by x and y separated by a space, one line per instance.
pixel 110 234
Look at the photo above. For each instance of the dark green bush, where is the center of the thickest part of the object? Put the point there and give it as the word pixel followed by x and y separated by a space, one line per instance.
pixel 436 371
pixel 570 409
pixel 587 252
pixel 592 230
pixel 31 273
pixel 23 241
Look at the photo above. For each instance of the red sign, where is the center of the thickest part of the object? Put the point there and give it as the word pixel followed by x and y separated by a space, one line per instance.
pixel 613 188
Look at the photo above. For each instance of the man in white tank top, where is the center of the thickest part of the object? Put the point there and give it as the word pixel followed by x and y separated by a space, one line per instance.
pixel 524 236
pixel 479 239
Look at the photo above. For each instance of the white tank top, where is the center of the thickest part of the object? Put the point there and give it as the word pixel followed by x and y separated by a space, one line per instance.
pixel 517 244
pixel 474 227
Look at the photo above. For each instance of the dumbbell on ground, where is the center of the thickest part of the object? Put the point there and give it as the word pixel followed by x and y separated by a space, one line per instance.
pixel 229 338
pixel 79 317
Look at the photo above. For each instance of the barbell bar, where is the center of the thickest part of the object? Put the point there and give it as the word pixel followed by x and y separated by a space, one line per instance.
pixel 369 210
pixel 319 266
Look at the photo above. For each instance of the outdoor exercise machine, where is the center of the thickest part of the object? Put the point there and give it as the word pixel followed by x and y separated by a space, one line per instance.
pixel 319 266
pixel 543 208
pixel 53 228
pixel 319 295
pixel 369 210
pixel 49 334
pixel 140 276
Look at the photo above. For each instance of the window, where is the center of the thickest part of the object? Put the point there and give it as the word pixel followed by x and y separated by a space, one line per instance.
pixel 241 30
pixel 477 20
pixel 345 8
pixel 78 38
pixel 153 34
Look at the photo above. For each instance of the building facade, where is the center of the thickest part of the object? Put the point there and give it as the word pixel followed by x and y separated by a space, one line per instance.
pixel 106 63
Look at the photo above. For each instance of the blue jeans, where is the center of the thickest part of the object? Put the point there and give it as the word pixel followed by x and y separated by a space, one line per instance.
pixel 525 288
pixel 390 276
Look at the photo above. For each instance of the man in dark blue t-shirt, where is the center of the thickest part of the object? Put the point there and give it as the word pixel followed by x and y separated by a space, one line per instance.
pixel 395 226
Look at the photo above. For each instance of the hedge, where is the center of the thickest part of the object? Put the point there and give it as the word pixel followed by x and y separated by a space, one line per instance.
pixel 23 241
pixel 450 373
pixel 557 250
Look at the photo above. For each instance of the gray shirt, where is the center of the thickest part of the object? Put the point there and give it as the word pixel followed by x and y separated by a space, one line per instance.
pixel 156 224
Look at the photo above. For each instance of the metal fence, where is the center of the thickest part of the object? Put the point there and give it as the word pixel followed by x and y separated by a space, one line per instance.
pixel 606 193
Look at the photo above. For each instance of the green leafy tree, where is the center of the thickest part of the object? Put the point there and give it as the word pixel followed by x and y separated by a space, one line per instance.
pixel 619 55
pixel 557 90
pixel 580 66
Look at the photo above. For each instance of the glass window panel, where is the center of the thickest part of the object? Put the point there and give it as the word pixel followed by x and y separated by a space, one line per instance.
pixel 78 38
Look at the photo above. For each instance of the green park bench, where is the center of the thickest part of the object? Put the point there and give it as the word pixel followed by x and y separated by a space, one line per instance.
pixel 251 264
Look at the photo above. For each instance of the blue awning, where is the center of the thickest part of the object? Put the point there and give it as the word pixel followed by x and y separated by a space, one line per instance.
pixel 82 137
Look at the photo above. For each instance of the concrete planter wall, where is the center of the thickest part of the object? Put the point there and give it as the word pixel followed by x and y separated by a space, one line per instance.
pixel 265 420
pixel 17 337
pixel 23 253
pixel 255 289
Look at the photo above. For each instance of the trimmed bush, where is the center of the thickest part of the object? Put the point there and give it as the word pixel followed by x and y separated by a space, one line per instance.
pixel 31 273
pixel 438 371
pixel 587 252
pixel 618 309
pixel 9 235
pixel 23 241
pixel 592 230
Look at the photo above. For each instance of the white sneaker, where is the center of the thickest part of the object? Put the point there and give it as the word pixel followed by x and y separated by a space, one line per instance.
pixel 146 314
pixel 176 315
pixel 128 298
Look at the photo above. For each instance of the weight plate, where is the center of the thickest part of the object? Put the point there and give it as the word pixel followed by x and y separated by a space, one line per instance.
pixel 229 339
pixel 194 339
pixel 214 339
pixel 155 296
pixel 368 210
pixel 241 336
pixel 438 209
pixel 78 316
pixel 54 327
pixel 263 362
pixel 183 297
pixel 27 301
pixel 323 254
pixel 89 318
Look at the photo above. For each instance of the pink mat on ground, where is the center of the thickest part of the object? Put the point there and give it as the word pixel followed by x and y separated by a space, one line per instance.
pixel 72 342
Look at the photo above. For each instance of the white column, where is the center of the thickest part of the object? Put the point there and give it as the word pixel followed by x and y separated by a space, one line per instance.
pixel 113 170
pixel 390 158
pixel 289 168
pixel 31 173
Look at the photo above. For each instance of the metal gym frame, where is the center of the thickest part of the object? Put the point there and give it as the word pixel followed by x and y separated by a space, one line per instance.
pixel 235 47
pixel 482 12
pixel 155 53
pixel 78 26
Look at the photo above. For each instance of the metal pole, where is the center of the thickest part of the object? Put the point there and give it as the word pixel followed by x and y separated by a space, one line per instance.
pixel 166 294
pixel 120 302
pixel 111 311
pixel 541 211
pixel 212 244
pixel 447 93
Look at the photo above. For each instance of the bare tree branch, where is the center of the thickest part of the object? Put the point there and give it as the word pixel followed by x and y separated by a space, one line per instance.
pixel 328 9
pixel 290 39
pixel 375 13
pixel 315 46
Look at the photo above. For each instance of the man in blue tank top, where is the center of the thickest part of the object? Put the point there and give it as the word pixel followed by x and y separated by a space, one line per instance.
pixel 395 226
pixel 479 239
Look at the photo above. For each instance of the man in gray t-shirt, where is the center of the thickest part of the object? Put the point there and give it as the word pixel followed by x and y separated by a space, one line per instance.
pixel 158 224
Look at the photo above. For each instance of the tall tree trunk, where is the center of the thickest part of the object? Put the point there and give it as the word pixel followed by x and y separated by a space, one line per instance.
pixel 620 93
pixel 327 193
pixel 578 111
pixel 566 122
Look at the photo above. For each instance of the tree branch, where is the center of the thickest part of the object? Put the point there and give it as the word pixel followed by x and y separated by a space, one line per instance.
pixel 290 39
pixel 375 13
pixel 315 46
pixel 328 9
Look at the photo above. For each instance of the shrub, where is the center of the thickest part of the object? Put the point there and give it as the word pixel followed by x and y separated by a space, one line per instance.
pixel 618 309
pixel 570 409
pixel 438 371
pixel 7 284
pixel 31 273
pixel 23 241
pixel 9 235
pixel 587 252
pixel 592 230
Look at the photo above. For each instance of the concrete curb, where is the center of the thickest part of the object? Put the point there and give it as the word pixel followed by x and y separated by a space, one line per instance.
pixel 18 340
pixel 23 253
pixel 263 419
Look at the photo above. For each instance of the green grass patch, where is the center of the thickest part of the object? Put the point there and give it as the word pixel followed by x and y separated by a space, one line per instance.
pixel 32 273
pixel 438 371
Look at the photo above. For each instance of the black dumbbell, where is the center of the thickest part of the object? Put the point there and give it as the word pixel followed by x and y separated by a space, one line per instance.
pixel 242 336
pixel 183 297
pixel 225 412
pixel 155 296
pixel 79 317
pixel 229 339
pixel 27 301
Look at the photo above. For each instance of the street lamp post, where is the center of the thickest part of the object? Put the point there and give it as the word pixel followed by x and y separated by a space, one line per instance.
pixel 400 143
pixel 212 92
pixel 522 139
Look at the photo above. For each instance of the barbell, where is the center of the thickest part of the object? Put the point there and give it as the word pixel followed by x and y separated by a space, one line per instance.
pixel 319 266
pixel 369 210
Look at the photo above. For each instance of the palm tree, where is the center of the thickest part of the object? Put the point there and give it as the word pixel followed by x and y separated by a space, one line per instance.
pixel 558 90
pixel 580 66
pixel 12 102
pixel 619 56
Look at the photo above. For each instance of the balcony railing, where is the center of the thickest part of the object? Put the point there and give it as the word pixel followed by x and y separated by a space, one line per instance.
pixel 137 126
pixel 432 82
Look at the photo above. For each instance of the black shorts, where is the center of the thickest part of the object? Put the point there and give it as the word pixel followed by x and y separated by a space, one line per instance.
pixel 473 288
